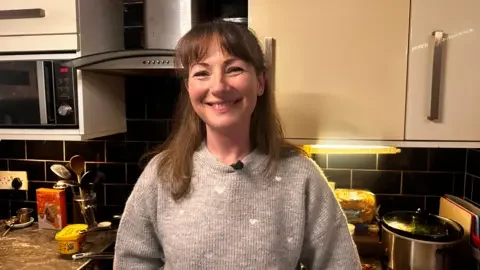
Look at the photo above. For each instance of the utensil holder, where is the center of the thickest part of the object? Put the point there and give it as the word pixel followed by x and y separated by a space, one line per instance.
pixel 85 209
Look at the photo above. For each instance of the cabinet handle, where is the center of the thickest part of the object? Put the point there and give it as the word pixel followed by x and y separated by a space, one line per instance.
pixel 270 61
pixel 439 41
pixel 22 14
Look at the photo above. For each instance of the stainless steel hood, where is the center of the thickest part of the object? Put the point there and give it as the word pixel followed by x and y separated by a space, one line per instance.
pixel 125 61
pixel 164 23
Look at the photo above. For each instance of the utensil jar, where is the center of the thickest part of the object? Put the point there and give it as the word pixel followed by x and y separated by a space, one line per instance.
pixel 85 209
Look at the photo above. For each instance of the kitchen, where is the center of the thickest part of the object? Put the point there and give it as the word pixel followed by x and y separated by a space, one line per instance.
pixel 435 158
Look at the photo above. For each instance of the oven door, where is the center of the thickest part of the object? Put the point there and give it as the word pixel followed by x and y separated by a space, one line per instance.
pixel 26 90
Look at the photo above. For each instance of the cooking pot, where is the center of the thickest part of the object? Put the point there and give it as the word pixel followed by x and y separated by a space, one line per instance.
pixel 415 240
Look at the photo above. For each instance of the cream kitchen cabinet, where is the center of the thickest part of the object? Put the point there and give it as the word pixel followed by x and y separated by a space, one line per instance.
pixel 38 26
pixel 37 17
pixel 444 76
pixel 339 66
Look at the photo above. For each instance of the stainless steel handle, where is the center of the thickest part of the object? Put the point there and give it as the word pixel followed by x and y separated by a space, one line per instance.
pixel 93 255
pixel 42 102
pixel 270 61
pixel 439 41
pixel 22 14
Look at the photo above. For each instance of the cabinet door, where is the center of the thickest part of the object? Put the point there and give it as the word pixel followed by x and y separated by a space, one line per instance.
pixel 457 73
pixel 37 17
pixel 340 66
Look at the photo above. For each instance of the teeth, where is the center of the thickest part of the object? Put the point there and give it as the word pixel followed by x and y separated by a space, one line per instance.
pixel 222 105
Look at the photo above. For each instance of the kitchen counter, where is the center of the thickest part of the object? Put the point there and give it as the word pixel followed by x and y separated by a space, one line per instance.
pixel 34 248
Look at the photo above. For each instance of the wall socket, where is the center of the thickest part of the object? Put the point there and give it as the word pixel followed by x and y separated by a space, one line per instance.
pixel 11 179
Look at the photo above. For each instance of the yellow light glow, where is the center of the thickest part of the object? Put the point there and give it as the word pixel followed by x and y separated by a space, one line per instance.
pixel 349 149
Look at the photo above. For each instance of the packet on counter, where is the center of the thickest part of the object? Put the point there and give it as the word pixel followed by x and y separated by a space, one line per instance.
pixel 358 205
pixel 51 208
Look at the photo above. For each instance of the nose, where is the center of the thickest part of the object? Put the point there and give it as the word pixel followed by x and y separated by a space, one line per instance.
pixel 218 83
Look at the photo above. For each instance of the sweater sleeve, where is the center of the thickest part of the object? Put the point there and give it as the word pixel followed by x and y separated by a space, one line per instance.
pixel 327 241
pixel 137 245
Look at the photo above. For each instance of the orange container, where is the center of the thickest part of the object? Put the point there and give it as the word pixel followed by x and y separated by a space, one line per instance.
pixel 51 208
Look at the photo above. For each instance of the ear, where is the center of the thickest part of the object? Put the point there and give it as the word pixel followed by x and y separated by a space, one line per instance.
pixel 261 84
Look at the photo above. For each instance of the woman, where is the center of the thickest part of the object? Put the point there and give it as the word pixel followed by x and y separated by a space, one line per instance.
pixel 226 191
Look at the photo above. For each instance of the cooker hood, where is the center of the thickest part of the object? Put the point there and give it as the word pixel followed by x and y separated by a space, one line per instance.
pixel 125 61
pixel 164 23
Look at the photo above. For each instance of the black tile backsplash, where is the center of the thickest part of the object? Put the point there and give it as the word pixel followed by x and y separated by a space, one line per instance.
pixel 473 162
pixel 3 165
pixel 14 149
pixel 472 175
pixel 447 159
pixel 34 169
pixel 117 194
pixel 388 182
pixel 157 130
pixel 52 150
pixel 90 151
pixel 410 159
pixel 342 178
pixel 125 151
pixel 114 172
pixel 352 161
pixel 427 183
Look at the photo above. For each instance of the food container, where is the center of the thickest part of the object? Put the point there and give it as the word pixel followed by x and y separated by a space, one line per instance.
pixel 70 240
pixel 358 205
pixel 417 240
pixel 51 208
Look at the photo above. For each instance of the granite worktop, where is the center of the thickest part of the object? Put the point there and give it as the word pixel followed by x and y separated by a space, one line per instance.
pixel 34 248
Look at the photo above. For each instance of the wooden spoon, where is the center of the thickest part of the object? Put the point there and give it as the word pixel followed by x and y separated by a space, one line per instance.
pixel 77 164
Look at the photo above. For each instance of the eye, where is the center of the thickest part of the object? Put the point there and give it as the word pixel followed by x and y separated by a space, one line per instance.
pixel 234 70
pixel 202 73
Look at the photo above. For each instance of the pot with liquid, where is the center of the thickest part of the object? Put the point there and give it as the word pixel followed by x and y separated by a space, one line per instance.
pixel 418 240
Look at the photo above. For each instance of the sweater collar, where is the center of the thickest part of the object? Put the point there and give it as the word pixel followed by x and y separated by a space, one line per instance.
pixel 254 161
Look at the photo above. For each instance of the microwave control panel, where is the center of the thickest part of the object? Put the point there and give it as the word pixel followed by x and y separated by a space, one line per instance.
pixel 65 94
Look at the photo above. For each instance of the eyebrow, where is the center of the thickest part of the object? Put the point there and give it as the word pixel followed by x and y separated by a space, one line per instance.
pixel 226 62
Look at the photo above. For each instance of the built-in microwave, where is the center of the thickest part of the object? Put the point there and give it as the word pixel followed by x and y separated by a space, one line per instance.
pixel 37 94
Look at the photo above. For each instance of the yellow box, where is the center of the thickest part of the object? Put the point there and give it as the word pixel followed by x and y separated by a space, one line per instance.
pixel 69 239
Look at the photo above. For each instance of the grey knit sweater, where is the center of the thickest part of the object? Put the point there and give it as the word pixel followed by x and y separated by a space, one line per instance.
pixel 236 219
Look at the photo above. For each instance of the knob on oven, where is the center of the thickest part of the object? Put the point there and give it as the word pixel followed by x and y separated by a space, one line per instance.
pixel 65 110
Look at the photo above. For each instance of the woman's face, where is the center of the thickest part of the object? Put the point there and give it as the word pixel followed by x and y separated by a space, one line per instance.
pixel 223 90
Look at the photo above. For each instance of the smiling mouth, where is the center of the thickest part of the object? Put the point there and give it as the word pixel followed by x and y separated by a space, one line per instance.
pixel 222 104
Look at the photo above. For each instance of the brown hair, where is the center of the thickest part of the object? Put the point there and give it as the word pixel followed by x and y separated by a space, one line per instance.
pixel 266 135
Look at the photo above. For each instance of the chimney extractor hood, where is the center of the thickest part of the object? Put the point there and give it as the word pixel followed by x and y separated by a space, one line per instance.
pixel 125 59
pixel 165 22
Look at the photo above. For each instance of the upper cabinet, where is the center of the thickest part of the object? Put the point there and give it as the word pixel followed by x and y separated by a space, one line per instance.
pixel 339 66
pixel 443 71
pixel 32 25
pixel 54 26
